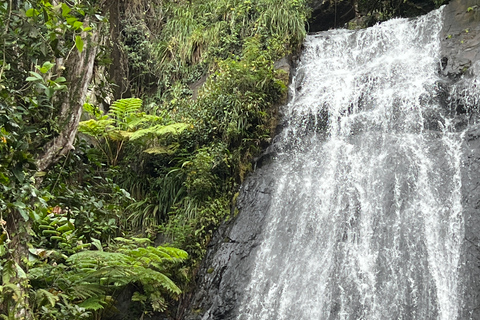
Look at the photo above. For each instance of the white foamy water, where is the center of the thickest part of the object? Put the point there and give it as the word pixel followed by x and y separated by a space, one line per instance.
pixel 366 220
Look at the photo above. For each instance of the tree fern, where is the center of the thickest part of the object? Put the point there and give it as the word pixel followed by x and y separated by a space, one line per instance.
pixel 159 130
pixel 147 276
pixel 96 128
pixel 93 303
pixel 124 111
pixel 125 122
pixel 143 265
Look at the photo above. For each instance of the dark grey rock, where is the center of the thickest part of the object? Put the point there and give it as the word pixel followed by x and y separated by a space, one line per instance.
pixel 461 38
pixel 328 14
pixel 471 208
pixel 231 253
pixel 225 270
pixel 197 85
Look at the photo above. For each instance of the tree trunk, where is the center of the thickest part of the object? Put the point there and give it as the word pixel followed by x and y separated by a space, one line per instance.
pixel 119 68
pixel 14 271
pixel 79 72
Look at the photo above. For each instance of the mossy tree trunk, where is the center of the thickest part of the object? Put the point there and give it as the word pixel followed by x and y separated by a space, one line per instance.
pixel 78 72
pixel 18 305
pixel 118 69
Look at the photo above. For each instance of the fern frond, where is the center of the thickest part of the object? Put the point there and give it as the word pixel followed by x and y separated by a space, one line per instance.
pixel 92 110
pixel 159 130
pixel 143 118
pixel 9 288
pixel 42 296
pixel 85 290
pixel 93 303
pixel 147 276
pixel 157 254
pixel 123 110
pixel 95 128
pixel 119 135
pixel 173 253
pixel 99 257
pixel 170 149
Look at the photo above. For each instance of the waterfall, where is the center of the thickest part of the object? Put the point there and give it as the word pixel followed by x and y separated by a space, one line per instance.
pixel 366 218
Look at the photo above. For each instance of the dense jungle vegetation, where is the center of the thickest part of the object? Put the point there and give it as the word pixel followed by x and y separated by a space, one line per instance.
pixel 115 168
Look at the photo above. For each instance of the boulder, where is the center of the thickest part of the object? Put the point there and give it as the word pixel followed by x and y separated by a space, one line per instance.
pixel 329 14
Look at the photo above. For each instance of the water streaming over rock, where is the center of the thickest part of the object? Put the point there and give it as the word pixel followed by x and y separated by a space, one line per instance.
pixel 366 216
pixel 366 206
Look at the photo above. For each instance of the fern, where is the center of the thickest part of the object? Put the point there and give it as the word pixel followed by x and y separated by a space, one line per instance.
pixel 170 149
pixel 124 122
pixel 159 130
pixel 41 296
pixel 9 289
pixel 95 128
pixel 124 111
pixel 147 276
pixel 93 303
pixel 143 265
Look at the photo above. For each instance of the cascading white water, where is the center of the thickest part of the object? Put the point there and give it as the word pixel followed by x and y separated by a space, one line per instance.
pixel 366 220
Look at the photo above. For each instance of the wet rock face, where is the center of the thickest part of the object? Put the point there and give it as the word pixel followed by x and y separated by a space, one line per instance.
pixel 231 253
pixel 471 210
pixel 225 270
pixel 461 38
pixel 329 14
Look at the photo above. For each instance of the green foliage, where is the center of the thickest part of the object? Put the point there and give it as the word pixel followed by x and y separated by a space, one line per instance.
pixel 193 35
pixel 168 168
pixel 82 284
pixel 124 122
pixel 181 183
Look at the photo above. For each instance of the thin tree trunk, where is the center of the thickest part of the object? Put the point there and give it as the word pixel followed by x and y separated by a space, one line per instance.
pixel 79 73
pixel 118 69
pixel 18 254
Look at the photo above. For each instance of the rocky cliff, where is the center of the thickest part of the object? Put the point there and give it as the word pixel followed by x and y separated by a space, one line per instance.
pixel 225 270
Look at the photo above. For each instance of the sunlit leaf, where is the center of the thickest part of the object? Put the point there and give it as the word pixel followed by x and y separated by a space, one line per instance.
pixel 32 12
pixel 65 10
pixel 79 43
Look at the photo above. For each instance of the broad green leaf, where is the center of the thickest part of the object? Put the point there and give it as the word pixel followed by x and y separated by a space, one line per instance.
pixel 79 43
pixel 32 12
pixel 35 75
pixel 32 79
pixel 97 244
pixel 71 20
pixel 65 10
pixel 18 173
pixel 20 272
pixel 46 67
pixel 77 25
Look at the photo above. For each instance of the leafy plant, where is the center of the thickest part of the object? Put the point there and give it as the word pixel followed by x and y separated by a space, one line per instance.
pixel 81 285
pixel 124 122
